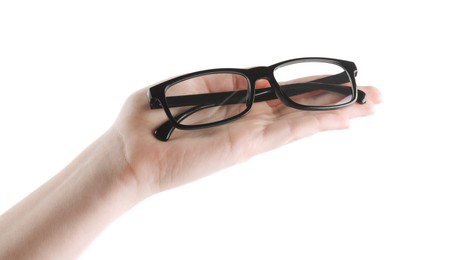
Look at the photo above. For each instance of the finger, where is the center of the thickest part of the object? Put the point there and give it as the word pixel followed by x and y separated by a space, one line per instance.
pixel 358 110
pixel 373 94
pixel 298 124
pixel 262 83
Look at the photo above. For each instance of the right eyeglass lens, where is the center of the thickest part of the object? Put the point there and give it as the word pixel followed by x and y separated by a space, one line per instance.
pixel 315 83
pixel 208 98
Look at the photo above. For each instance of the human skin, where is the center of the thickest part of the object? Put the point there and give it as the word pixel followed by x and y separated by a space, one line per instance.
pixel 128 164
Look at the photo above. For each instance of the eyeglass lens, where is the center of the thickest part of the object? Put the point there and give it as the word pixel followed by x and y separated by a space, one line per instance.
pixel 231 102
pixel 315 83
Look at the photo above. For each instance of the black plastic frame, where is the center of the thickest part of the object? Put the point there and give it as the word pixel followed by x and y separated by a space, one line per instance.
pixel 157 97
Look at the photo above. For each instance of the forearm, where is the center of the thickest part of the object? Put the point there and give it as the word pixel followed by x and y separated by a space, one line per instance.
pixel 61 218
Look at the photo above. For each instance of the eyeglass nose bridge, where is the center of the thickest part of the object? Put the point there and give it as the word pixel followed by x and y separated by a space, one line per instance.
pixel 267 92
pixel 260 72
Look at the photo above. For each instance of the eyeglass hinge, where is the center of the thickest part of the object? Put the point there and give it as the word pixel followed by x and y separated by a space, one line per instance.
pixel 154 102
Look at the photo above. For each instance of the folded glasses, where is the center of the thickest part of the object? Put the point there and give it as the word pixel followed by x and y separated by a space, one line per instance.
pixel 214 97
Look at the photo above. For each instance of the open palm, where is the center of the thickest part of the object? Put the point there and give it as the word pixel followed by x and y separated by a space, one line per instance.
pixel 193 154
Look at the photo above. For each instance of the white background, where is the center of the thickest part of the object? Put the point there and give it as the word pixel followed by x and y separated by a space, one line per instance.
pixel 384 189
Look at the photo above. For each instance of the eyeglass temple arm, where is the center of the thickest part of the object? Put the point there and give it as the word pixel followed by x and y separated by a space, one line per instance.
pixel 263 94
pixel 164 131
pixel 266 94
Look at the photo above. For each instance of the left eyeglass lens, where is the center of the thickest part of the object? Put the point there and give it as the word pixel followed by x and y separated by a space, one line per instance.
pixel 208 98
pixel 315 83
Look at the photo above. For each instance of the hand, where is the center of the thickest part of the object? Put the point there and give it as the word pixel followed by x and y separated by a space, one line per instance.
pixel 128 164
pixel 193 154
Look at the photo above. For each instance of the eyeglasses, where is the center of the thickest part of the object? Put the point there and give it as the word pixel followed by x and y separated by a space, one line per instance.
pixel 214 97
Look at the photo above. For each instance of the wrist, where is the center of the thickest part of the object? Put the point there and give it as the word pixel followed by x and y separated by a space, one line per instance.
pixel 71 209
pixel 105 161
